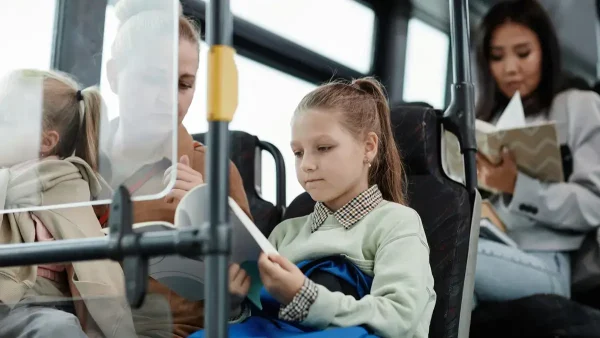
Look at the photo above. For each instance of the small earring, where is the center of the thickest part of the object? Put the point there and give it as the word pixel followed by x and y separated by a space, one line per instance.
pixel 369 164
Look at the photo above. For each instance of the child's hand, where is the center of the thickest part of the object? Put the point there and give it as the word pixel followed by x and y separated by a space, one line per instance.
pixel 239 284
pixel 187 179
pixel 281 278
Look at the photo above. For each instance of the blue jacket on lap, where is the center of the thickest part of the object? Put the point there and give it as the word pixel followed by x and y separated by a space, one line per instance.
pixel 336 274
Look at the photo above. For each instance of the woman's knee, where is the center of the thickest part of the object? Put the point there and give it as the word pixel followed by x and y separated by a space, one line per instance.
pixel 504 273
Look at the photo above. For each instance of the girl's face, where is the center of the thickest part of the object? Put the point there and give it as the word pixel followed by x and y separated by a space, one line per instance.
pixel 515 59
pixel 330 161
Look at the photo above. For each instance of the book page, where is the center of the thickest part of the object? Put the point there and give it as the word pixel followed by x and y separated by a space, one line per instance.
pixel 490 232
pixel 248 242
pixel 186 275
pixel 484 127
pixel 258 236
pixel 513 115
pixel 146 227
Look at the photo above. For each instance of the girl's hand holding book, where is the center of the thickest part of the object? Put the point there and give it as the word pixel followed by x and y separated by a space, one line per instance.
pixel 282 278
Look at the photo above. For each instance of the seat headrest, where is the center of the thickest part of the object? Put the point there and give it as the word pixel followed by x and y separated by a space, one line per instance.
pixel 417 131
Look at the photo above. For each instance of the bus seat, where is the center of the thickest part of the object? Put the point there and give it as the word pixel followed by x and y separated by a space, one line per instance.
pixel 572 81
pixel 244 149
pixel 541 315
pixel 422 104
pixel 443 205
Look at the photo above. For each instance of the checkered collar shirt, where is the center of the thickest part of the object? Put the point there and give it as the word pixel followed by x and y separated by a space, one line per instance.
pixel 351 213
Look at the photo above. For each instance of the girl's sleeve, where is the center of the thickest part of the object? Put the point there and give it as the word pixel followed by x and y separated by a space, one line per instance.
pixel 401 295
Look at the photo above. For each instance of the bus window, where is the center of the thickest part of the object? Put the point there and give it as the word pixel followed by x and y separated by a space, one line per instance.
pixel 26 32
pixel 111 25
pixel 315 24
pixel 426 64
pixel 267 99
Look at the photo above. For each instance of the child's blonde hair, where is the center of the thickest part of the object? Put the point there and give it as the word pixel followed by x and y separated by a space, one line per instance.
pixel 73 113
pixel 364 108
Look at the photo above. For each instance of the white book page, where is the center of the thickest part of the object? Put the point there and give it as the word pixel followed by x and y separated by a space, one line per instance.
pixel 258 236
pixel 190 212
pixel 484 127
pixel 513 115
pixel 147 226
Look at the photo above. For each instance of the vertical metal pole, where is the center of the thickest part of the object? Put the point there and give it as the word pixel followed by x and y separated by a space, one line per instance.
pixel 461 118
pixel 459 37
pixel 597 26
pixel 461 111
pixel 222 103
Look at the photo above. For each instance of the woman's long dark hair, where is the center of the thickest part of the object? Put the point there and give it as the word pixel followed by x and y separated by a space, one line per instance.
pixel 531 14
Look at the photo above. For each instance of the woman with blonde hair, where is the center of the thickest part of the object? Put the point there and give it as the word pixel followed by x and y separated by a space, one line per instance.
pixel 133 59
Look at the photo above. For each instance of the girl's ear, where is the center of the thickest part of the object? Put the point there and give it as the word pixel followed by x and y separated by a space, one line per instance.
pixel 49 141
pixel 371 146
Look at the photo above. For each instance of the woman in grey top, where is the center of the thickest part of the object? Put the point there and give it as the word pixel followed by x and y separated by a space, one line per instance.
pixel 518 50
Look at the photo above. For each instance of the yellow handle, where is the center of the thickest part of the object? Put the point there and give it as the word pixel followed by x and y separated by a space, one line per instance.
pixel 222 83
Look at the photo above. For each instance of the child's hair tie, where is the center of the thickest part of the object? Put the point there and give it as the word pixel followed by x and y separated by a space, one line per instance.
pixel 81 107
pixel 79 95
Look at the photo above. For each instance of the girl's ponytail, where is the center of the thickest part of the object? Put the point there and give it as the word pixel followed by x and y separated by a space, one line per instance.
pixel 91 106
pixel 387 171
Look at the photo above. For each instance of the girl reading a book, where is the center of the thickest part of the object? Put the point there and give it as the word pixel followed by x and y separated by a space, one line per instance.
pixel 56 166
pixel 518 51
pixel 348 162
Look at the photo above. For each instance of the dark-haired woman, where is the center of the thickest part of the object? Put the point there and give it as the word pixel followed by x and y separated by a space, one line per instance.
pixel 518 51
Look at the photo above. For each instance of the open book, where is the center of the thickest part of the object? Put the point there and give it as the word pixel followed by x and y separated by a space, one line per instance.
pixel 491 226
pixel 535 146
pixel 489 231
pixel 185 276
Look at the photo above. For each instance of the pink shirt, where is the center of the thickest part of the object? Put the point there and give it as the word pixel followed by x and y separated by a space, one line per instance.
pixel 52 271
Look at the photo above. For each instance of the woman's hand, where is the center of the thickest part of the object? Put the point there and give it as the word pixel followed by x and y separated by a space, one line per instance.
pixel 282 279
pixel 239 285
pixel 187 179
pixel 502 176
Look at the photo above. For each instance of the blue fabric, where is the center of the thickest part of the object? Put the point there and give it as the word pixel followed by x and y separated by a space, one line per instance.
pixel 262 326
pixel 259 327
pixel 336 266
pixel 342 269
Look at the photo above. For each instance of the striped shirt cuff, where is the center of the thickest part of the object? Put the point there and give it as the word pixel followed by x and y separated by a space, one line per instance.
pixel 297 310
pixel 244 313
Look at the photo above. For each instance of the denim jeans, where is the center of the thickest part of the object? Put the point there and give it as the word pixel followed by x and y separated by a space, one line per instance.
pixel 505 273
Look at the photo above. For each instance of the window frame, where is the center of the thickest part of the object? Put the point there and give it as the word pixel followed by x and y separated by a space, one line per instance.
pixel 74 19
pixel 274 51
